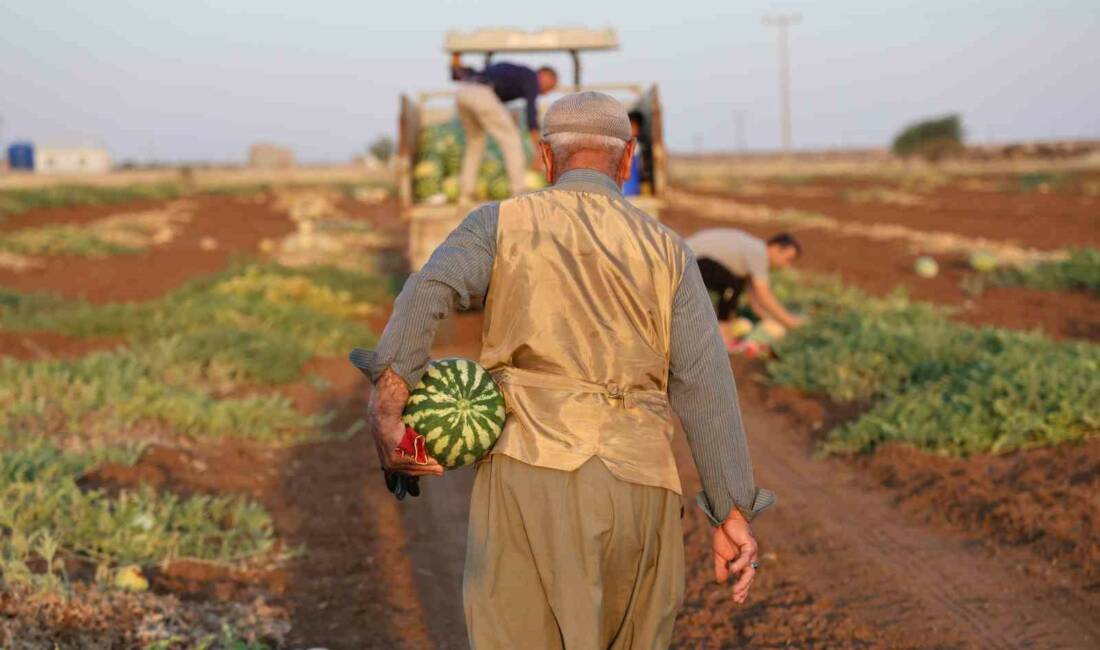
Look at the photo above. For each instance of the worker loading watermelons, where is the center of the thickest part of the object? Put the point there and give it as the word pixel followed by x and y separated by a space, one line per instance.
pixel 598 326
pixel 480 100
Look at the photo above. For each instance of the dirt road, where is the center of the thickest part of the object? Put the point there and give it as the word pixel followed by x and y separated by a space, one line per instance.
pixel 932 585
pixel 895 581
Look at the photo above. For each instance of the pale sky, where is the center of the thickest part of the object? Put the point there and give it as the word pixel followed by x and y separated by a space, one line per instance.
pixel 201 80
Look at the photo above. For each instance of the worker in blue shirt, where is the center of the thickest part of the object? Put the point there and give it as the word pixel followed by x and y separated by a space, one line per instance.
pixel 633 184
pixel 480 100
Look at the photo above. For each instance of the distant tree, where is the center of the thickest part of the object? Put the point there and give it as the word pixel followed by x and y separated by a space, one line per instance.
pixel 931 139
pixel 382 148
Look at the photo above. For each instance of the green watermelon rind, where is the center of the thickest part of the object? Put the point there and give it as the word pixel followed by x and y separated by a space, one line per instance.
pixel 456 433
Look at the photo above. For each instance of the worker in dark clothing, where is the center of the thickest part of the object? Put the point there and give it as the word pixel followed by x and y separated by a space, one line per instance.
pixel 480 100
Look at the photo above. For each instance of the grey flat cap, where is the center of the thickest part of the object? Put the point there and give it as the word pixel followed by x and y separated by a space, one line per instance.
pixel 587 112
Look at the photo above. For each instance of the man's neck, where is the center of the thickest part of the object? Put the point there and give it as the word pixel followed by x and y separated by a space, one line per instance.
pixel 587 180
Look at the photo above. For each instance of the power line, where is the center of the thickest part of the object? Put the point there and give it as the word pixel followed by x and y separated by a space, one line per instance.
pixel 781 22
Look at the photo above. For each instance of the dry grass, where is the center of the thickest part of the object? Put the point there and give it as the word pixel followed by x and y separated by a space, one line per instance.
pixel 206 177
pixel 691 170
pixel 729 210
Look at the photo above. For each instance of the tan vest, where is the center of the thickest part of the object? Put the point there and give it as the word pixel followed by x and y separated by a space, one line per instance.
pixel 577 325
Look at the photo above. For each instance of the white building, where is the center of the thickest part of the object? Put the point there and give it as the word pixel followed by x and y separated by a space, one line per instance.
pixel 70 160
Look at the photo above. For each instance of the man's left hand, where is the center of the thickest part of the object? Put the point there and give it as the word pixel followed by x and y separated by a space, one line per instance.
pixel 735 552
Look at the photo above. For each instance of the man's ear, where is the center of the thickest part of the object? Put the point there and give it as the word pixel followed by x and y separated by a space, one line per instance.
pixel 547 155
pixel 626 162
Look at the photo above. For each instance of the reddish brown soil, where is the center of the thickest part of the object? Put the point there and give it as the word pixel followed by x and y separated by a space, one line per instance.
pixel 1043 500
pixel 237 226
pixel 1045 221
pixel 38 346
pixel 961 577
pixel 348 585
pixel 75 214
pixel 909 551
pixel 842 565
pixel 882 267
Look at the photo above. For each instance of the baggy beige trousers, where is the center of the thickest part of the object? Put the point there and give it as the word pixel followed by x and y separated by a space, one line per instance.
pixel 570 560
pixel 481 111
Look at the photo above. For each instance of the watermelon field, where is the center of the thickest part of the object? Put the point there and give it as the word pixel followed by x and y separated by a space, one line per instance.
pixel 185 463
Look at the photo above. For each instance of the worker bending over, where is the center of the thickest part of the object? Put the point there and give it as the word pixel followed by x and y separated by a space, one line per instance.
pixel 729 259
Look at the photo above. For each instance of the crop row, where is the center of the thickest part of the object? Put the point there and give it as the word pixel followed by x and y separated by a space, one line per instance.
pixel 188 369
pixel 21 200
pixel 930 381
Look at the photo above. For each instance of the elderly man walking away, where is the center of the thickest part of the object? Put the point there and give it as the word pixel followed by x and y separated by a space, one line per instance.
pixel 480 100
pixel 597 327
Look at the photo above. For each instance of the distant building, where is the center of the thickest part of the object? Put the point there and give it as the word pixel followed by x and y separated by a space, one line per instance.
pixel 21 156
pixel 265 155
pixel 71 160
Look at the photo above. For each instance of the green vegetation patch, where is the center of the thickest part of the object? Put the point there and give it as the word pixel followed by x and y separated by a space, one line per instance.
pixel 263 320
pixel 39 498
pixel 932 382
pixel 21 200
pixel 184 373
pixel 1032 393
pixel 45 517
pixel 931 139
pixel 1043 182
pixel 61 240
pixel 1078 272
pixel 147 389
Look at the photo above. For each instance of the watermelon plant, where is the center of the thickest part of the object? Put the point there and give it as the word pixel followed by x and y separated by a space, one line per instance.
pixel 265 321
pixel 932 382
pixel 1080 271
pixel 16 201
pixel 458 409
pixel 1032 393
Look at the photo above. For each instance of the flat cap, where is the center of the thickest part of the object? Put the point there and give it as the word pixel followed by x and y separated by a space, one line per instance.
pixel 587 112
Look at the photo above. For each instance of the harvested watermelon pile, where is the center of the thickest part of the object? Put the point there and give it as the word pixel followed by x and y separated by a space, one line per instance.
pixel 458 409
pixel 439 161
pixel 751 338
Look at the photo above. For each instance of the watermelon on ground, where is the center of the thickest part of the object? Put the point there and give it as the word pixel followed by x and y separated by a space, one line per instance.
pixel 926 267
pixel 740 328
pixel 459 410
pixel 983 261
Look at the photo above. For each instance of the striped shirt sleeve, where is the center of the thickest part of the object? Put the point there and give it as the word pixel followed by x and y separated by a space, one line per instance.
pixel 455 277
pixel 704 395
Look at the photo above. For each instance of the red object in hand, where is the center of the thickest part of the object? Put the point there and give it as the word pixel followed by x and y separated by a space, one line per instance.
pixel 412 445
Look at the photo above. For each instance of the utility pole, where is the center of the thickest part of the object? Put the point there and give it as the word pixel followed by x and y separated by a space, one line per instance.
pixel 781 22
pixel 739 116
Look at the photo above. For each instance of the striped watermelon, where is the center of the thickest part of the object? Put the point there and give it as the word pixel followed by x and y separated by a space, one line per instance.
pixel 458 409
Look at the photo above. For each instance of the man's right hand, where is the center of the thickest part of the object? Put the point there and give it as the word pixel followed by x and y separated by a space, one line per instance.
pixel 384 407
pixel 735 552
